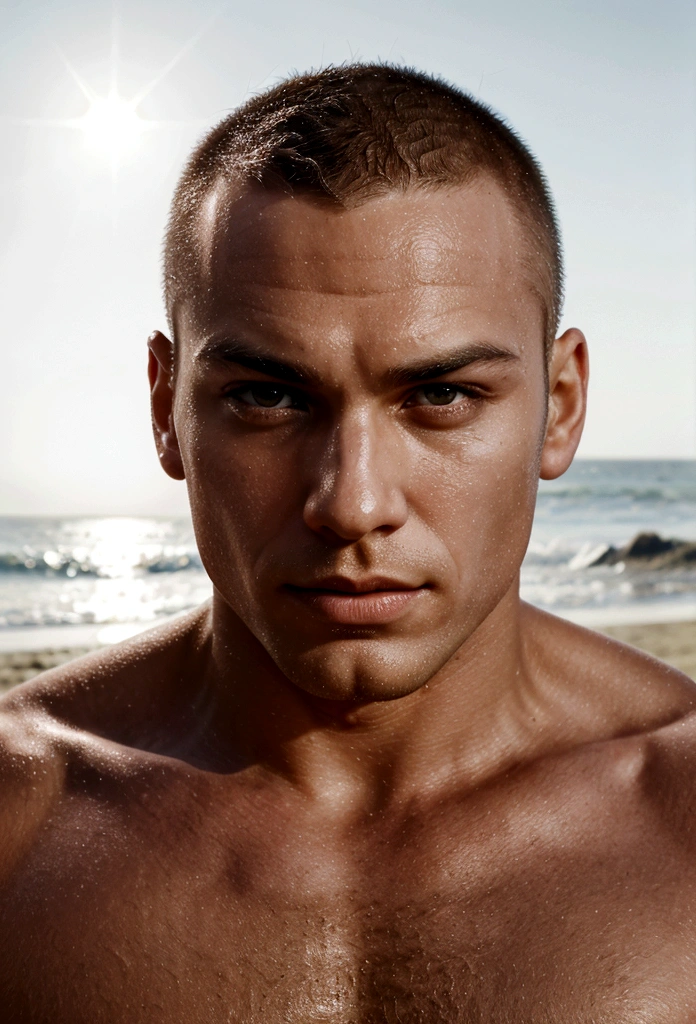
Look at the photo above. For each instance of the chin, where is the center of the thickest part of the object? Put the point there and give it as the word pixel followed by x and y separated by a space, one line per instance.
pixel 361 670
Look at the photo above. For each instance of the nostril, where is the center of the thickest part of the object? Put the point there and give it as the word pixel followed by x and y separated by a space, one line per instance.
pixel 336 539
pixel 345 526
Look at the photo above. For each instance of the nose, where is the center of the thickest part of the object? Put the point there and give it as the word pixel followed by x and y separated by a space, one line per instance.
pixel 356 487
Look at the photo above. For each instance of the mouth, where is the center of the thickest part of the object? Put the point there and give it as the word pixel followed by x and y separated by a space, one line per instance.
pixel 367 602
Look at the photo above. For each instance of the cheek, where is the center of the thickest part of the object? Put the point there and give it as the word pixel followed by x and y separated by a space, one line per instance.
pixel 480 501
pixel 242 490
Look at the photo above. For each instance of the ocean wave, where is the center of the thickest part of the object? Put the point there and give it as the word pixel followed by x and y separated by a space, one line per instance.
pixel 66 564
pixel 605 491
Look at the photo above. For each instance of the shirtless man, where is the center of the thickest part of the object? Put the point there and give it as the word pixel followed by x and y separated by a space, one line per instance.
pixel 366 784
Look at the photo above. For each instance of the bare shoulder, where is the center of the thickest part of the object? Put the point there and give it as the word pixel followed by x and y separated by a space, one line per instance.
pixel 630 708
pixel 625 688
pixel 77 712
pixel 112 680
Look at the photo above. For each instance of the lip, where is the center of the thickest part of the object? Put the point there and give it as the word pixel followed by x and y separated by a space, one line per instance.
pixel 368 602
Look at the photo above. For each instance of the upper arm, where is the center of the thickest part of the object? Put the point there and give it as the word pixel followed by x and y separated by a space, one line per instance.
pixel 30 780
pixel 670 778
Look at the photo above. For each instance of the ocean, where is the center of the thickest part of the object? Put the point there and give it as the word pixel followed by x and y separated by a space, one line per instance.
pixel 82 579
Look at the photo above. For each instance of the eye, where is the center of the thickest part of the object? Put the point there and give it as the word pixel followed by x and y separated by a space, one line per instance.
pixel 265 396
pixel 437 394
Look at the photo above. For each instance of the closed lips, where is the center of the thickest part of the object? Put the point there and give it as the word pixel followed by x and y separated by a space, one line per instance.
pixel 365 602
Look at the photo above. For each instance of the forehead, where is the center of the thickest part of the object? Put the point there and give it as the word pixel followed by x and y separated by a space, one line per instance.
pixel 404 265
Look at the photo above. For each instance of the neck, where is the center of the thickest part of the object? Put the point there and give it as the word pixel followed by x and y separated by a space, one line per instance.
pixel 469 722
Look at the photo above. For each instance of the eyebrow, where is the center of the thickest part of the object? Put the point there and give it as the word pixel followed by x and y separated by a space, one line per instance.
pixel 426 369
pixel 409 373
pixel 243 355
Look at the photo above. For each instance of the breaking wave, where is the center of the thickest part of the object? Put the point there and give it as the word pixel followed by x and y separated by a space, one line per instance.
pixel 69 564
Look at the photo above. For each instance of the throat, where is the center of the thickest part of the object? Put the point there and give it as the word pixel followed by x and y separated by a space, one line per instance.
pixel 466 722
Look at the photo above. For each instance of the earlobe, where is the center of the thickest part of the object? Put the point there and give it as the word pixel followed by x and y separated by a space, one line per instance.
pixel 568 376
pixel 170 456
pixel 160 374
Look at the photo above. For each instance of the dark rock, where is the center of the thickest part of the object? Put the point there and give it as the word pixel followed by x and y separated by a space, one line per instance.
pixel 651 551
pixel 647 545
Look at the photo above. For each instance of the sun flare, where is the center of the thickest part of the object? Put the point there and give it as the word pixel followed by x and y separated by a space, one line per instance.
pixel 111 127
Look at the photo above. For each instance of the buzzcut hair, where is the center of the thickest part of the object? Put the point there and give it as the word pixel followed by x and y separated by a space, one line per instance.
pixel 351 134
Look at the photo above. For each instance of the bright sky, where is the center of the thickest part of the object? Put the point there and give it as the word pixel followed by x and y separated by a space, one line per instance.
pixel 603 91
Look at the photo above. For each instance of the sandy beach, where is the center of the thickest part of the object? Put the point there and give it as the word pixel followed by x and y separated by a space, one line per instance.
pixel 673 642
pixel 18 666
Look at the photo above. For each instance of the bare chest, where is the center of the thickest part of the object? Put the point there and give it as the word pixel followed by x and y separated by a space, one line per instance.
pixel 286 921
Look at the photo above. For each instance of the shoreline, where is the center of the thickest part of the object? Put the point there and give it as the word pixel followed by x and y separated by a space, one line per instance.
pixel 673 642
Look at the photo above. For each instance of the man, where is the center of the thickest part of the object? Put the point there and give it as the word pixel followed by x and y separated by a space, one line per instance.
pixel 366 783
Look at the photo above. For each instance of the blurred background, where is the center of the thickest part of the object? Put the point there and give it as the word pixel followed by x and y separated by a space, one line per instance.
pixel 100 104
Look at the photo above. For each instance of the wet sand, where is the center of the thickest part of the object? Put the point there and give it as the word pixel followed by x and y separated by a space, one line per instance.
pixel 673 642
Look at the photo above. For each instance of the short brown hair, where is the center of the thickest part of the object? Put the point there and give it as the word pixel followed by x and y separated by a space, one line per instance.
pixel 353 133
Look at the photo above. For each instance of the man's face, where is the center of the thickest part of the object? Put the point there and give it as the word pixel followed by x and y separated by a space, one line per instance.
pixel 360 406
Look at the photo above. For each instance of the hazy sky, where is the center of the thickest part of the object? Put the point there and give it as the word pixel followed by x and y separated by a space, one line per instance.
pixel 603 91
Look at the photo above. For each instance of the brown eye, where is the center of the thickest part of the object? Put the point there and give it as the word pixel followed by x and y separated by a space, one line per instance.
pixel 438 394
pixel 265 396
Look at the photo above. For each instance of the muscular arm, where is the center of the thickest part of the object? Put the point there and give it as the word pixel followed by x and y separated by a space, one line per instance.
pixel 31 779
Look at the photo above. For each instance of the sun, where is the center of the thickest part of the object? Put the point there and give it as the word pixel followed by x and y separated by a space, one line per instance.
pixel 111 127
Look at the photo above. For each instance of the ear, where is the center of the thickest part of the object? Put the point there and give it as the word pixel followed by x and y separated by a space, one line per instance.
pixel 160 371
pixel 568 376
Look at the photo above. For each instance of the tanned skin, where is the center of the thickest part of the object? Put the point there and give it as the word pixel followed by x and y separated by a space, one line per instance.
pixel 366 784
